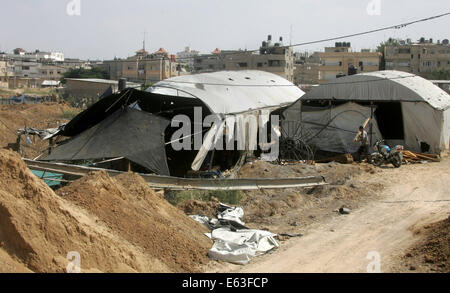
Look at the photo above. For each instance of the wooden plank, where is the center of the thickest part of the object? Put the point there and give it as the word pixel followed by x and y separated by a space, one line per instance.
pixel 364 126
pixel 428 158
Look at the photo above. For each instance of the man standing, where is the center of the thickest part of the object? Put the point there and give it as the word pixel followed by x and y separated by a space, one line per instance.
pixel 363 150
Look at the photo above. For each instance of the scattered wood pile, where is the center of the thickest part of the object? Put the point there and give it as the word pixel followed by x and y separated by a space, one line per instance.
pixel 413 157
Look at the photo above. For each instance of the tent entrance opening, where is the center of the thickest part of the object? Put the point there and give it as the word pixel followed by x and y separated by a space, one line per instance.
pixel 390 120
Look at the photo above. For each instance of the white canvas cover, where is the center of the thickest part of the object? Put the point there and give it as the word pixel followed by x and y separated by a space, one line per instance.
pixel 382 86
pixel 227 92
pixel 445 139
pixel 422 123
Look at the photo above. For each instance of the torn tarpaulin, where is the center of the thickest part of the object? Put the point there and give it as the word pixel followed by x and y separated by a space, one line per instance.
pixel 135 135
pixel 233 242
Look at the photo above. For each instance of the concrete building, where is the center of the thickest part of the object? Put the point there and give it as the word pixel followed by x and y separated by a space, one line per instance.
pixel 187 57
pixel 31 69
pixel 90 88
pixel 340 60
pixel 274 58
pixel 6 69
pixel 46 56
pixel 422 58
pixel 306 69
pixel 144 68
pixel 212 62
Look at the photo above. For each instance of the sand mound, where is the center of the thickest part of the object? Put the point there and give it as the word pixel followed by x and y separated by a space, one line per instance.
pixel 112 230
pixel 136 213
pixel 432 252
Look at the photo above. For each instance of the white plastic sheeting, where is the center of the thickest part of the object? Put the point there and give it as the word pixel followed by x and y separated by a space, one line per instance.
pixel 232 214
pixel 240 246
pixel 231 244
pixel 227 92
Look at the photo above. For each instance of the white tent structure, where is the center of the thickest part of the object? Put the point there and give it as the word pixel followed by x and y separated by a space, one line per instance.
pixel 406 109
pixel 235 96
pixel 231 92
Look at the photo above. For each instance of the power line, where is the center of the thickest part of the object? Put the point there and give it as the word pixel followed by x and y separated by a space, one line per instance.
pixel 397 26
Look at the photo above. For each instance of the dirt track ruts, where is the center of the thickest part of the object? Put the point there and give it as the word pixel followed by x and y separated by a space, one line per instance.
pixel 414 195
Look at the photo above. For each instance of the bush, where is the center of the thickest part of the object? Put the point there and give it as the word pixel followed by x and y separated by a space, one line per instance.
pixel 69 114
pixel 232 197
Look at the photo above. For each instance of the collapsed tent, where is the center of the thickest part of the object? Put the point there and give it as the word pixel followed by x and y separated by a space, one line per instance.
pixel 236 96
pixel 405 109
pixel 135 135
pixel 145 139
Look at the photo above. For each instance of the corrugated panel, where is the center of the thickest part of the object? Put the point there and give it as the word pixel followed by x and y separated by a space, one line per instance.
pixel 227 92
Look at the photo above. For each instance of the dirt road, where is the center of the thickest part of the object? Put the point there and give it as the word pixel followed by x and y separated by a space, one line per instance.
pixel 414 195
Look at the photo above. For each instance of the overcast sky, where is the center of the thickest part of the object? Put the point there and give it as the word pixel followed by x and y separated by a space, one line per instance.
pixel 105 29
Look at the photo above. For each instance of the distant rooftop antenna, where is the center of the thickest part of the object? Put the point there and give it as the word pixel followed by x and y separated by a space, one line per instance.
pixel 290 36
pixel 143 41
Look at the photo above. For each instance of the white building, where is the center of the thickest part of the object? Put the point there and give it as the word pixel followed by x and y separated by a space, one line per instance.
pixel 187 56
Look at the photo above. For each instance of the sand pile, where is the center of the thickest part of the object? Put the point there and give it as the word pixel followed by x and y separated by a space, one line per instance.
pixel 432 252
pixel 136 213
pixel 117 225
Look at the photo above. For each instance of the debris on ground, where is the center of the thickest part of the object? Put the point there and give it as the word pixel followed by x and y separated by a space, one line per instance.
pixel 42 116
pixel 413 157
pixel 343 159
pixel 280 209
pixel 234 242
pixel 344 211
pixel 115 224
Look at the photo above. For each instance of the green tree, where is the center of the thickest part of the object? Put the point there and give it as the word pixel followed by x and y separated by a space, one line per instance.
pixel 382 49
pixel 95 72
pixel 442 74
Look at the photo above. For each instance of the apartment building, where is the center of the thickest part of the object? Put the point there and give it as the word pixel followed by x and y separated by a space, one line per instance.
pixel 306 69
pixel 6 69
pixel 274 58
pixel 341 60
pixel 37 66
pixel 420 58
pixel 144 67
pixel 187 56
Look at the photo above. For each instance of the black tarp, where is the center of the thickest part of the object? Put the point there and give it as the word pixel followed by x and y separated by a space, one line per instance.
pixel 130 133
pixel 100 111
pixel 161 105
